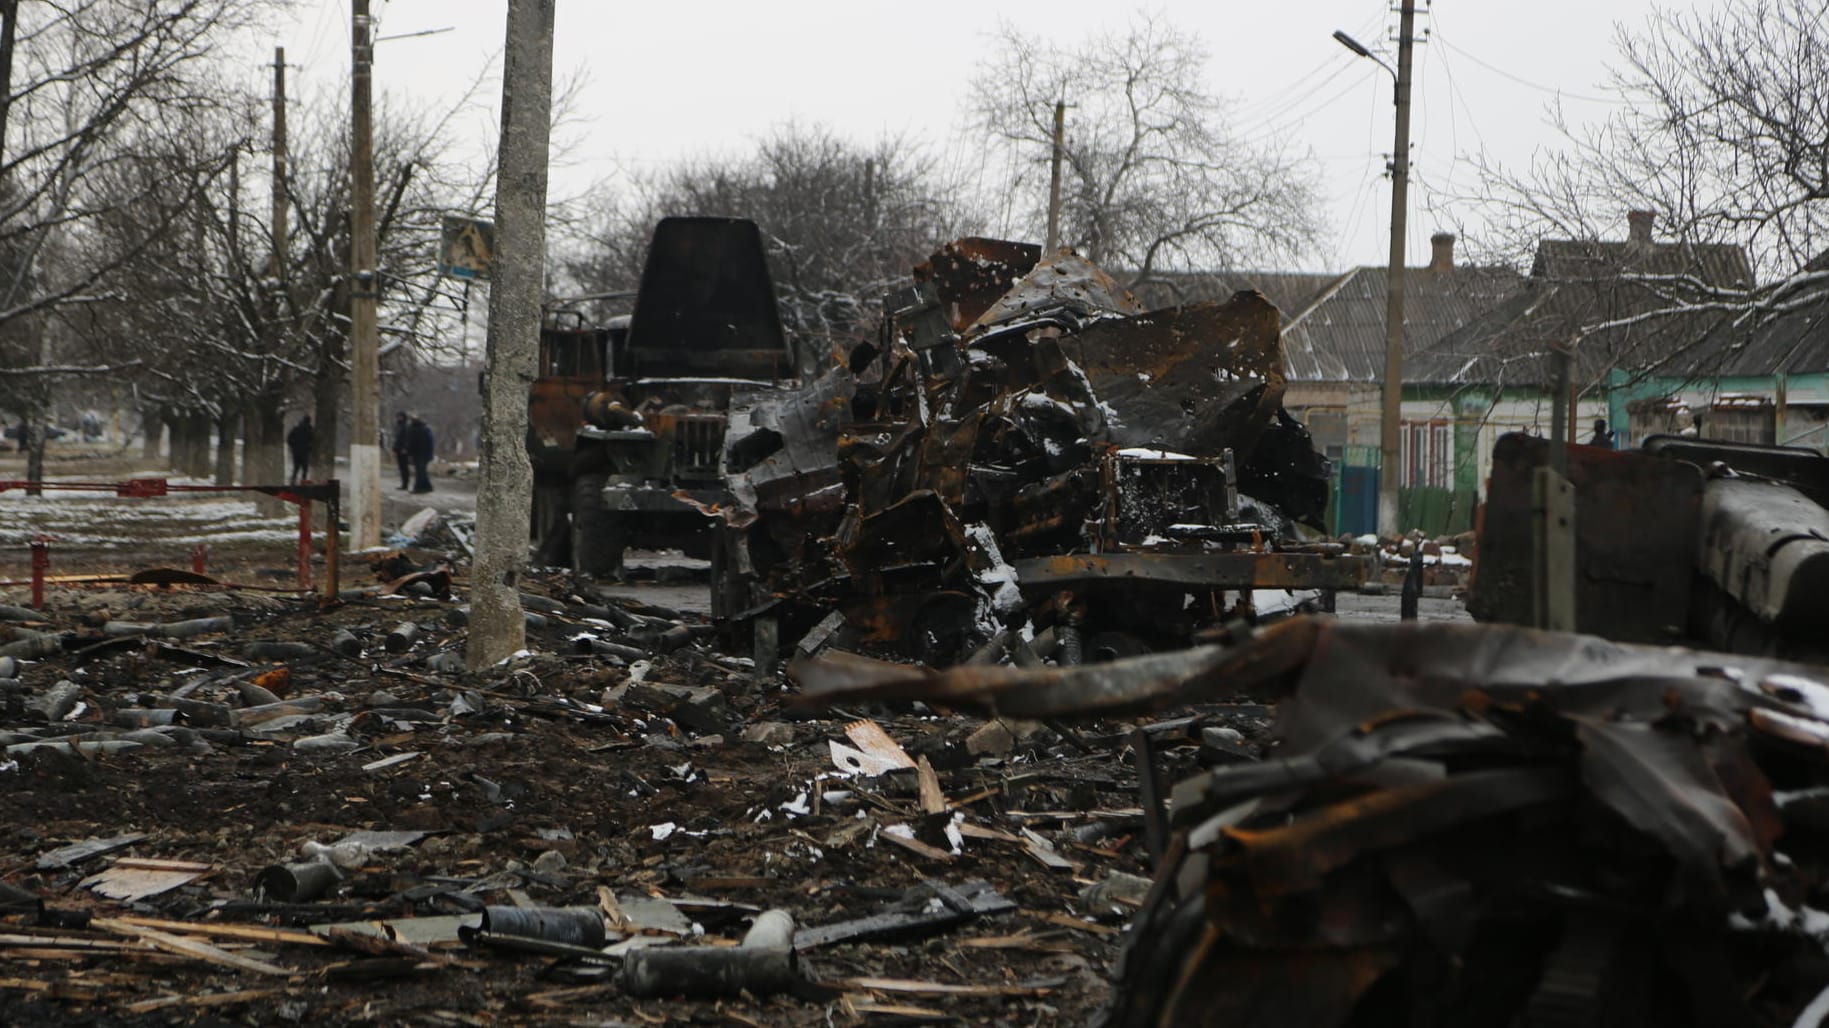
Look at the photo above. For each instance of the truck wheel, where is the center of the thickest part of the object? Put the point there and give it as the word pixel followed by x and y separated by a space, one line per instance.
pixel 597 539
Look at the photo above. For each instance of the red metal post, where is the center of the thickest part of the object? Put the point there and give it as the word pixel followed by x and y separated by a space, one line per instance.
pixel 41 563
pixel 304 545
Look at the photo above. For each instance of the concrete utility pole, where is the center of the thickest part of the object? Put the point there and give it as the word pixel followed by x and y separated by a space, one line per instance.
pixel 1054 179
pixel 364 287
pixel 280 231
pixel 9 25
pixel 262 453
pixel 504 493
pixel 1390 442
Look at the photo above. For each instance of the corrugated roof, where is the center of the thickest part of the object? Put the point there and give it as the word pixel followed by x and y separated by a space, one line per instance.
pixel 1794 342
pixel 1623 305
pixel 1341 338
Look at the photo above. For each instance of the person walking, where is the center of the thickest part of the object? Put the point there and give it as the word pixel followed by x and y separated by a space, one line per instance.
pixel 299 442
pixel 401 457
pixel 1601 436
pixel 419 450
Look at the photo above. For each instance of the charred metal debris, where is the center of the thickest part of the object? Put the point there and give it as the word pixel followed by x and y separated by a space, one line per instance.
pixel 1025 461
pixel 1461 824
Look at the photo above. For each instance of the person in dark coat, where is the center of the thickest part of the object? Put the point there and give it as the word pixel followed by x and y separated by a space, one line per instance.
pixel 419 450
pixel 1601 436
pixel 299 442
pixel 401 457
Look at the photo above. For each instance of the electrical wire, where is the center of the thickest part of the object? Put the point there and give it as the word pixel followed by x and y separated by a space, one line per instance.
pixel 1520 80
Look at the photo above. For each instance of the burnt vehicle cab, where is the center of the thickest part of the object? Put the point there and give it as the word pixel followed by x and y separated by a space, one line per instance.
pixel 645 460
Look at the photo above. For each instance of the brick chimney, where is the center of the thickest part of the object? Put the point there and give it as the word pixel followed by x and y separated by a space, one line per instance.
pixel 1441 257
pixel 1638 227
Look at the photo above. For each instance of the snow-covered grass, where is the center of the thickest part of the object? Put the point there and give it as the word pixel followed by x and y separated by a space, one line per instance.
pixel 99 519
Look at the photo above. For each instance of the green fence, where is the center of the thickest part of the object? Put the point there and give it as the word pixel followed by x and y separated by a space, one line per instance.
pixel 1437 512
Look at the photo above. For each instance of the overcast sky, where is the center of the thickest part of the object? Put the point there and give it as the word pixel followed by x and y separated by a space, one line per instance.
pixel 667 80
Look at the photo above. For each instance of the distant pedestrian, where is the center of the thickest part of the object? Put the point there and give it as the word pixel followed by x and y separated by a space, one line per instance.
pixel 1601 436
pixel 299 442
pixel 401 457
pixel 419 450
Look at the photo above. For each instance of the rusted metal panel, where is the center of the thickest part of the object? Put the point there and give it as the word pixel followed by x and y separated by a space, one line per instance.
pixel 1195 378
pixel 1067 283
pixel 1637 519
pixel 968 275
pixel 1281 570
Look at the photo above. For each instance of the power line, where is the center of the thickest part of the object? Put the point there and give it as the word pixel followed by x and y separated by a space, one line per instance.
pixel 1502 73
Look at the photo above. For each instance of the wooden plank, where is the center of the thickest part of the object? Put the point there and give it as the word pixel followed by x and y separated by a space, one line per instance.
pixel 933 800
pixel 238 932
pixel 189 947
pixel 912 987
pixel 917 847
pixel 215 999
pixel 151 864
pixel 1069 921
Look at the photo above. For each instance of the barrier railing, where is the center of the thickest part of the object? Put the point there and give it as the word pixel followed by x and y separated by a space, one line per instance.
pixel 329 493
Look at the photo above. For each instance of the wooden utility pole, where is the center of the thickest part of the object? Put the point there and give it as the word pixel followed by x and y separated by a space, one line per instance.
pixel 1054 179
pixel 1390 436
pixel 364 288
pixel 504 494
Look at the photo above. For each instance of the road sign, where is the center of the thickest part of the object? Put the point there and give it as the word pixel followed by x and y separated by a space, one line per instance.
pixel 466 247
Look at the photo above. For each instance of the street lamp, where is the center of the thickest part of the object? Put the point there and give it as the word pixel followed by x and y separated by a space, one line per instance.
pixel 1390 441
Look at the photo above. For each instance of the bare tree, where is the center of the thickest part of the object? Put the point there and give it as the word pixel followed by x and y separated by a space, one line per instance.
pixel 1723 133
pixel 92 88
pixel 1153 178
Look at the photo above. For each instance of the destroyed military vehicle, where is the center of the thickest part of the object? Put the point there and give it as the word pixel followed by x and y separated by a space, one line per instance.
pixel 1024 461
pixel 1696 541
pixel 626 421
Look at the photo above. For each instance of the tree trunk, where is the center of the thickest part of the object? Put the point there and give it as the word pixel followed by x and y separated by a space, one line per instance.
pixel 197 425
pixel 152 430
pixel 226 425
pixel 504 492
pixel 329 392
pixel 263 453
pixel 33 440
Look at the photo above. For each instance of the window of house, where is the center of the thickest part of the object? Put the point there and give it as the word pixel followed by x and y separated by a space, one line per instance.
pixel 1428 454
pixel 1741 419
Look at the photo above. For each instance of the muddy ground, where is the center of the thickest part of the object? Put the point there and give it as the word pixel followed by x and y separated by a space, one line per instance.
pixel 557 780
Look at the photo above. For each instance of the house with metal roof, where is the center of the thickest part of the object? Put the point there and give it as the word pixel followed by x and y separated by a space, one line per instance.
pixel 1615 310
pixel 1762 375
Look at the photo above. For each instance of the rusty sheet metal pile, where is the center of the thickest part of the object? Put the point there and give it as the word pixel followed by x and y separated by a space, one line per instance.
pixel 1464 825
pixel 1025 454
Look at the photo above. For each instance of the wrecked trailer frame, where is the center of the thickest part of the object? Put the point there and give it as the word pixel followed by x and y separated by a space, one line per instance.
pixel 1014 412
pixel 1459 824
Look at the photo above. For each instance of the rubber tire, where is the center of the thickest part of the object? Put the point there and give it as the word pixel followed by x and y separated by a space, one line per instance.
pixel 597 539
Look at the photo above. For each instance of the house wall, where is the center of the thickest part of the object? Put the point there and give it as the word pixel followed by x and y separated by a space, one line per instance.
pixel 1475 418
pixel 1801 402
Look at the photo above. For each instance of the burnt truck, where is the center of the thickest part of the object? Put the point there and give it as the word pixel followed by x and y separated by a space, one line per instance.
pixel 626 421
pixel 1685 540
pixel 1025 463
